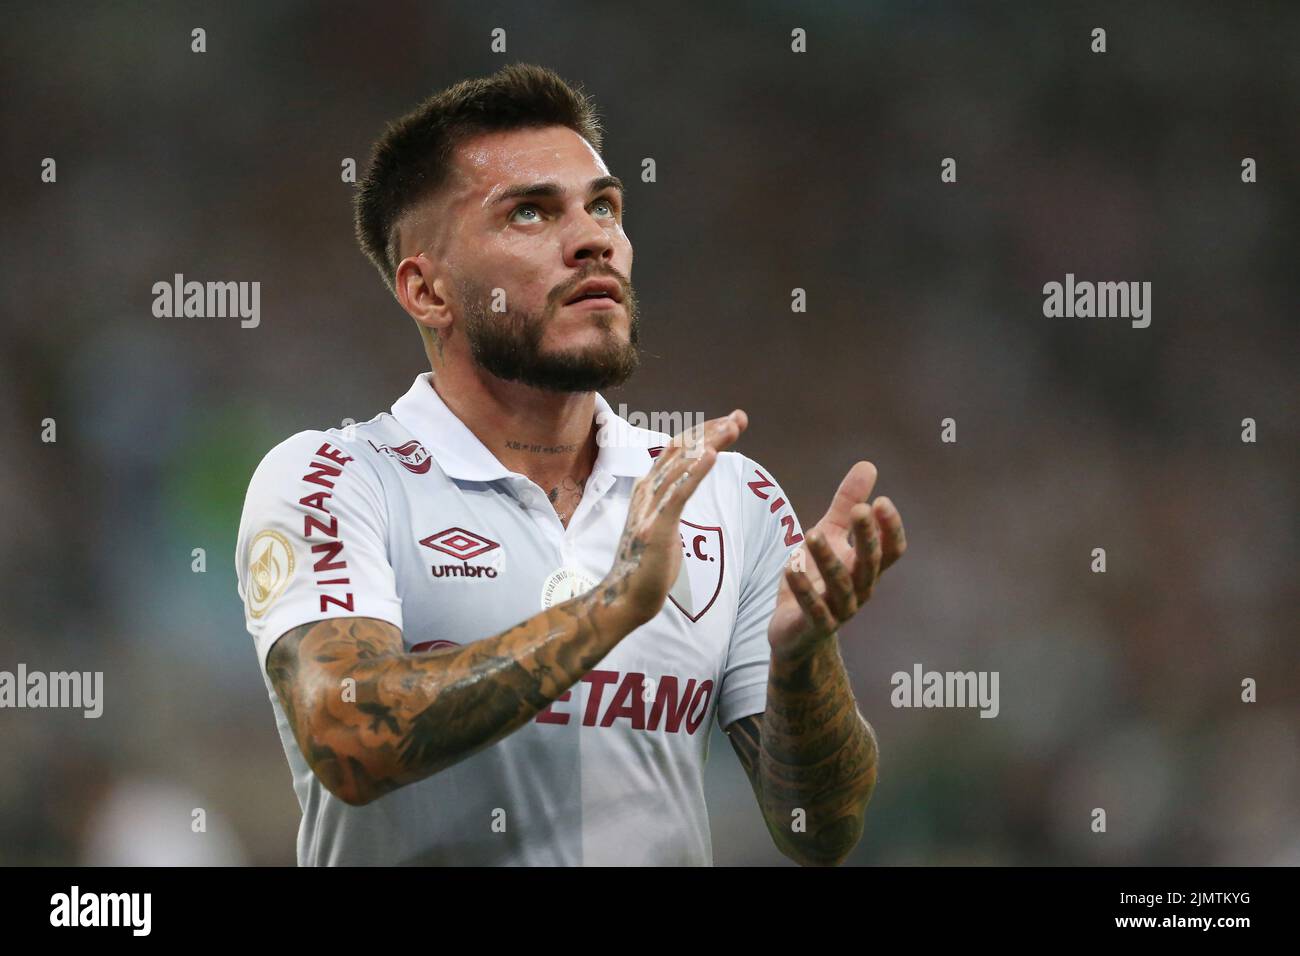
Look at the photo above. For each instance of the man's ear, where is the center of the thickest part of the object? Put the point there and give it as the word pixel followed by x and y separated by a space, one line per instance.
pixel 421 290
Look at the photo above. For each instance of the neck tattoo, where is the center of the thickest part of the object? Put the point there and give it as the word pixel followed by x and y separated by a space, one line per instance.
pixel 541 449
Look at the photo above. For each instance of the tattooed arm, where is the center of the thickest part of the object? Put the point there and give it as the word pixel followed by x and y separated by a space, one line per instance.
pixel 811 751
pixel 407 716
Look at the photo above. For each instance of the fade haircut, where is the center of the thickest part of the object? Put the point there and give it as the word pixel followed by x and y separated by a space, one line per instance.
pixel 412 160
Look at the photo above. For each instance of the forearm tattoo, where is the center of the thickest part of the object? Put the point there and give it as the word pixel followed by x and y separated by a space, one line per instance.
pixel 811 751
pixel 370 718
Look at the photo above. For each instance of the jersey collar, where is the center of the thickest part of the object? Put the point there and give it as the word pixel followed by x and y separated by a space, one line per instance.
pixel 622 449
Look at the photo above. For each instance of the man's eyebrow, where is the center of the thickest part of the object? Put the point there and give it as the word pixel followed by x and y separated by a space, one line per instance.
pixel 554 190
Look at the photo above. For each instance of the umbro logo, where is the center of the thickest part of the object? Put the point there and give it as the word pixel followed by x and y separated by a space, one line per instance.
pixel 459 543
pixel 464 545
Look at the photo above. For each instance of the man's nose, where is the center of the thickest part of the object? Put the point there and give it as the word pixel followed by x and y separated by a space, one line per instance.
pixel 589 240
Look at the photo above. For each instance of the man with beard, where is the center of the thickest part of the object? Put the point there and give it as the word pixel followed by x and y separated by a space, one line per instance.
pixel 497 624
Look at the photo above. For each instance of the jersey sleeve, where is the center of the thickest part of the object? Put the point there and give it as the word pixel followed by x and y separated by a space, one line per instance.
pixel 772 533
pixel 313 541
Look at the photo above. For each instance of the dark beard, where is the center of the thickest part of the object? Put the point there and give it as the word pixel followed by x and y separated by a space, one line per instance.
pixel 508 345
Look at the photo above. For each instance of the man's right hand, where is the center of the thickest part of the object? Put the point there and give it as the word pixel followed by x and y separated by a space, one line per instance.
pixel 649 554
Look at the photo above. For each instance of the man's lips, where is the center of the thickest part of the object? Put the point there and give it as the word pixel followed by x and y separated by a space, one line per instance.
pixel 601 290
pixel 600 302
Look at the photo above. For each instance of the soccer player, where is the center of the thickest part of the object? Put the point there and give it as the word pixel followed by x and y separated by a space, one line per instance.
pixel 497 623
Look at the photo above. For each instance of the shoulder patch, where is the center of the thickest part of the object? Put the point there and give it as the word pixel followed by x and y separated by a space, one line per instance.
pixel 270 565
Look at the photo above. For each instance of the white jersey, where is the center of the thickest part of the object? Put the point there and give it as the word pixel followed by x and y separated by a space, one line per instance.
pixel 409 518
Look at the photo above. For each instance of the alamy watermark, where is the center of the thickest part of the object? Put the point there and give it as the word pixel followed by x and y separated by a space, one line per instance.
pixel 669 423
pixel 76 908
pixel 1102 300
pixel 208 300
pixel 59 689
pixel 922 688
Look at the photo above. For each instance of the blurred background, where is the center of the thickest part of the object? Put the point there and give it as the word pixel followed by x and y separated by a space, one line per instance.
pixel 775 170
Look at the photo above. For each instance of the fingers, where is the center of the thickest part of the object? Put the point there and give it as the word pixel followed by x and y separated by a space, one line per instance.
pixel 854 489
pixel 894 541
pixel 688 448
pixel 840 593
pixel 875 536
pixel 717 433
pixel 814 608
pixel 877 541
pixel 869 552
pixel 679 491
pixel 845 590
pixel 694 453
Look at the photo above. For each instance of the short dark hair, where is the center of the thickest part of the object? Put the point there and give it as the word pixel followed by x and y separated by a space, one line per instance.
pixel 412 160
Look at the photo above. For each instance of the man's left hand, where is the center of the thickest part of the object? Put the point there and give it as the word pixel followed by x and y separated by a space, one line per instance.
pixel 853 543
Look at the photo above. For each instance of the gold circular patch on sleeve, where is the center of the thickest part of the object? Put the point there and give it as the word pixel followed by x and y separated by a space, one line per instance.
pixel 270 565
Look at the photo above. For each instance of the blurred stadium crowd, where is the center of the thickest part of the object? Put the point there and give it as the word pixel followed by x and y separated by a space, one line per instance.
pixel 819 171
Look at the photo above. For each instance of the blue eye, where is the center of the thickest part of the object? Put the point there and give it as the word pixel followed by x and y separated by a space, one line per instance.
pixel 526 205
pixel 606 202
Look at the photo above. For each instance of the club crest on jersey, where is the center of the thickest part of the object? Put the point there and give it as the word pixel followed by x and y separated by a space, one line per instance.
pixel 464 545
pixel 703 560
pixel 270 565
pixel 410 455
